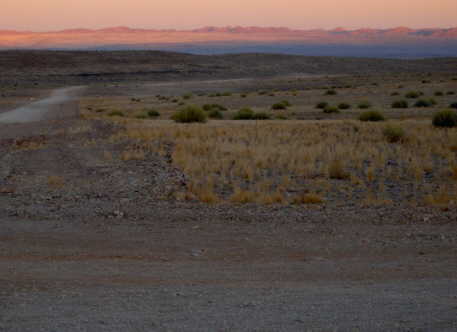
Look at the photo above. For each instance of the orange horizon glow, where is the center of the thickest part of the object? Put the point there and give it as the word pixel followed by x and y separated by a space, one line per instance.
pixel 55 15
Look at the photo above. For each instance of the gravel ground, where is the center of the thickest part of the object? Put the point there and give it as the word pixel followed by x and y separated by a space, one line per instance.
pixel 89 243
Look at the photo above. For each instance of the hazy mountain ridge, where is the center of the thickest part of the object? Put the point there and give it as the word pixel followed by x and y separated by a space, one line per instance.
pixel 425 32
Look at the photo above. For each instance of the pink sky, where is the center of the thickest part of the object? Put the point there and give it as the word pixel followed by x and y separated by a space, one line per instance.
pixel 44 15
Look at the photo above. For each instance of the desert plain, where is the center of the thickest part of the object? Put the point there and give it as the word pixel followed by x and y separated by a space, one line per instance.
pixel 116 218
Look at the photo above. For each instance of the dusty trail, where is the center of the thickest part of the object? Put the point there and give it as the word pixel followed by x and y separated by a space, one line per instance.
pixel 54 107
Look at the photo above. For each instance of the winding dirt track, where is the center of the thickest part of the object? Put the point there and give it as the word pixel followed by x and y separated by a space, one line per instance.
pixel 53 107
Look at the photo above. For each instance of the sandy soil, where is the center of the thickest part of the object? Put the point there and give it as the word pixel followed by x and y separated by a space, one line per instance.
pixel 99 250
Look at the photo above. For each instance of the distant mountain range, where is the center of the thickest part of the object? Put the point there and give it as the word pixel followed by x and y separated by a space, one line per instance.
pixel 400 42
pixel 426 32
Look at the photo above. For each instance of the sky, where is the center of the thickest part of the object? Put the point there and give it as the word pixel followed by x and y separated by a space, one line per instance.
pixel 54 15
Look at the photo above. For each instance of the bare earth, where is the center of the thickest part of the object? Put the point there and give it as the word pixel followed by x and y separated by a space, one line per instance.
pixel 100 247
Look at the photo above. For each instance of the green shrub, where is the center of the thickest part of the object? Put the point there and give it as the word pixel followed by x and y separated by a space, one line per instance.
pixel 187 95
pixel 348 86
pixel 438 93
pixel 215 113
pixel 413 94
pixel 399 103
pixel 244 113
pixel 281 116
pixel 393 133
pixel 227 93
pixel 281 105
pixel 174 100
pixel 214 94
pixel 99 110
pixel 243 95
pixel 260 116
pixel 373 115
pixel 344 106
pixel 453 105
pixel 321 105
pixel 422 103
pixel 152 113
pixel 330 92
pixel 209 107
pixel 450 93
pixel 271 94
pixel 189 113
pixel 263 92
pixel 142 116
pixel 432 101
pixel 116 113
pixel 395 93
pixel 363 104
pixel 331 109
pixel 445 118
pixel 426 81
pixel 181 103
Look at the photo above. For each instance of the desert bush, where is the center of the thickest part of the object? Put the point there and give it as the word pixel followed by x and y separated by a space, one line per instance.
pixel 174 100
pixel 142 116
pixel 308 198
pixel 426 81
pixel 453 105
pixel 214 94
pixel 344 106
pixel 337 170
pixel 281 117
pixel 152 113
pixel 438 93
pixel 321 105
pixel 363 104
pixel 450 93
pixel 244 113
pixel 181 103
pixel 432 100
pixel 445 118
pixel 187 95
pixel 399 103
pixel 412 94
pixel 393 133
pixel 271 94
pixel 99 110
pixel 243 95
pixel 263 92
pixel 373 115
pixel 331 109
pixel 215 113
pixel 330 92
pixel 281 105
pixel 209 107
pixel 227 93
pixel 189 113
pixel 395 93
pixel 116 113
pixel 260 116
pixel 422 103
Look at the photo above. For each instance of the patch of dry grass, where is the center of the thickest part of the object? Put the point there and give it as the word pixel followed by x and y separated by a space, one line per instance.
pixel 268 162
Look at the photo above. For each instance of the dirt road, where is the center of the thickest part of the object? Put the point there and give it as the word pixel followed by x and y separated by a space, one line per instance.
pixel 54 107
